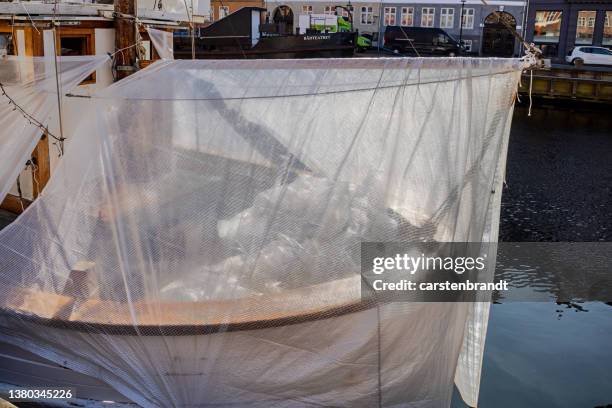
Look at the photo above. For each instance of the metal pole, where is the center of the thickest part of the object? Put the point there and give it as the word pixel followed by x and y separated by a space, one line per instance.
pixel 380 18
pixel 461 24
pixel 192 33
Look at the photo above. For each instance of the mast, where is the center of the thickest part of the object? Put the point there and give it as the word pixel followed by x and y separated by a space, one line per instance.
pixel 125 37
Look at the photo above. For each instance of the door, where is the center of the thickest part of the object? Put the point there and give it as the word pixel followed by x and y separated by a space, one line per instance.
pixel 283 18
pixel 602 56
pixel 497 39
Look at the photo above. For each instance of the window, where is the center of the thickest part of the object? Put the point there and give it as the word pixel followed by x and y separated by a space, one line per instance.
pixel 75 43
pixel 390 16
pixel 223 11
pixel 467 18
pixel 585 27
pixel 440 39
pixel 427 17
pixel 72 46
pixel 547 26
pixel 6 44
pixel 345 13
pixel 607 34
pixel 407 16
pixel 467 45
pixel 329 10
pixel 601 51
pixel 367 15
pixel 447 18
pixel 306 9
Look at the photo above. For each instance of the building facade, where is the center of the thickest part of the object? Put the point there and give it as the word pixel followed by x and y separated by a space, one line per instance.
pixel 222 8
pixel 557 26
pixel 481 31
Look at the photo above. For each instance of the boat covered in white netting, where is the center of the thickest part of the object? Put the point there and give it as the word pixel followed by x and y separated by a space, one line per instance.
pixel 199 242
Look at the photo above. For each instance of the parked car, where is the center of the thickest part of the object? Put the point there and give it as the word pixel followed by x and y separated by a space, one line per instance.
pixel 590 55
pixel 421 41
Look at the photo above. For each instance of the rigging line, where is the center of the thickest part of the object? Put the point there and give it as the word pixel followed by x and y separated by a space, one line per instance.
pixel 57 81
pixel 191 27
pixel 34 175
pixel 29 17
pixel 123 49
pixel 120 50
pixel 31 119
pixel 530 88
pixel 410 41
pixel 192 34
pixel 374 87
pixel 530 47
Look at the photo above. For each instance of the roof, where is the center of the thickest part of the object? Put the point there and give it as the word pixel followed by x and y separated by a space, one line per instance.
pixel 90 11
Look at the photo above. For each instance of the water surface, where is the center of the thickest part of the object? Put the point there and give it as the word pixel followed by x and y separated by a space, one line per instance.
pixel 559 188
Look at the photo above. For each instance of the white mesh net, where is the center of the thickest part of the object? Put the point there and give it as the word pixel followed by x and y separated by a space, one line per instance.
pixel 199 243
pixel 30 84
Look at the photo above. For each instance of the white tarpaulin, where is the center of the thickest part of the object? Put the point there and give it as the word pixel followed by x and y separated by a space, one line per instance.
pixel 199 243
pixel 30 84
pixel 163 42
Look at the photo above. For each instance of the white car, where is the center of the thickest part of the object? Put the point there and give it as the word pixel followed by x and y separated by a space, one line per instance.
pixel 590 55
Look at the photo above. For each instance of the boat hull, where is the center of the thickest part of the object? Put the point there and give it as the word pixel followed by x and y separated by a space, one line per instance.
pixel 353 360
pixel 332 45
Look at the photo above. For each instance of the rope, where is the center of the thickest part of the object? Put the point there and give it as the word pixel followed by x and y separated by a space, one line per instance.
pixel 533 54
pixel 137 23
pixel 34 175
pixel 530 88
pixel 31 119
pixel 138 43
pixel 124 16
pixel 191 27
pixel 120 50
pixel 57 82
pixel 532 58
pixel 373 88
pixel 29 17
pixel 410 41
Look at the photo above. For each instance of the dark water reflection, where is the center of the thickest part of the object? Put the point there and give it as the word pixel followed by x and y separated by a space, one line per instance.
pixel 559 188
pixel 559 177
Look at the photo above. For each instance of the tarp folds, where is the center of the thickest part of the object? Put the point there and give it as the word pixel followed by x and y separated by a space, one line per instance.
pixel 163 42
pixel 31 84
pixel 199 243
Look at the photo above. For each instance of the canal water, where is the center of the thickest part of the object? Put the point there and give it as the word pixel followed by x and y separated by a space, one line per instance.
pixel 559 188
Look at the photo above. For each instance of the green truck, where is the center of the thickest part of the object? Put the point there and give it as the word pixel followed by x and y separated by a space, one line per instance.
pixel 325 23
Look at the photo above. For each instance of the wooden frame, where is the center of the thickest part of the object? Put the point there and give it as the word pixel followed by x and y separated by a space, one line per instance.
pixel 90 44
pixel 71 311
pixel 14 204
